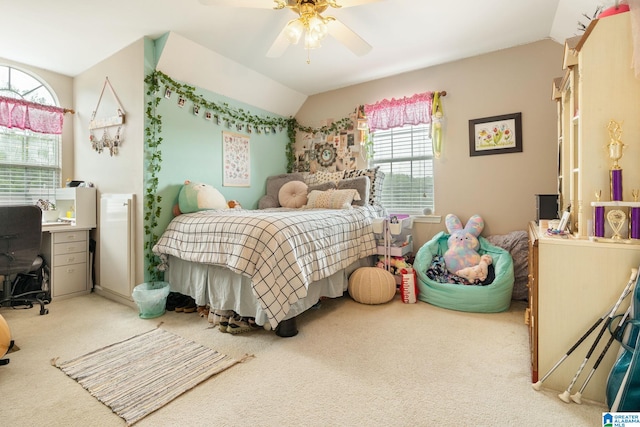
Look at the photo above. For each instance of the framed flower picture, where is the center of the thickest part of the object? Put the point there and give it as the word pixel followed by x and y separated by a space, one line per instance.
pixel 495 135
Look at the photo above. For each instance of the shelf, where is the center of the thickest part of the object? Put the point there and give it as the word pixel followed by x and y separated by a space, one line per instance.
pixel 619 203
pixel 397 250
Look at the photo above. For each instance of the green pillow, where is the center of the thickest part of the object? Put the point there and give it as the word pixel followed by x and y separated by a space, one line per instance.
pixel 195 197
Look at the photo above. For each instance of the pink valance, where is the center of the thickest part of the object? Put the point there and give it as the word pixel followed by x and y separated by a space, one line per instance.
pixel 21 114
pixel 387 114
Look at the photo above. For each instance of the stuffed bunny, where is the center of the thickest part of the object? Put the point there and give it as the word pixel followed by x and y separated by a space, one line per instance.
pixel 463 243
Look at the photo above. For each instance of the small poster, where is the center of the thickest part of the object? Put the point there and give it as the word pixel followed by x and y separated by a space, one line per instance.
pixel 235 153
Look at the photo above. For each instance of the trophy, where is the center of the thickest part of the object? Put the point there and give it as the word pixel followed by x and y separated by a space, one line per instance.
pixel 615 148
pixel 599 217
pixel 634 231
pixel 616 219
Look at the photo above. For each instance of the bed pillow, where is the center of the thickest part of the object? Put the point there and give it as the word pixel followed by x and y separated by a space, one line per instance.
pixel 195 197
pixel 293 194
pixel 323 176
pixel 376 178
pixel 322 187
pixel 332 199
pixel 361 185
pixel 274 183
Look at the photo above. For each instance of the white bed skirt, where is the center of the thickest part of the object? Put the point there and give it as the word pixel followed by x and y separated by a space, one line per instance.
pixel 225 290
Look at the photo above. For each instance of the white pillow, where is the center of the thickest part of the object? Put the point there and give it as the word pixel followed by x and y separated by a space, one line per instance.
pixel 323 176
pixel 293 194
pixel 332 199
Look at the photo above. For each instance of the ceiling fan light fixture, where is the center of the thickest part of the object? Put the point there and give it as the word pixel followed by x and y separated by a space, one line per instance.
pixel 317 26
pixel 311 41
pixel 294 30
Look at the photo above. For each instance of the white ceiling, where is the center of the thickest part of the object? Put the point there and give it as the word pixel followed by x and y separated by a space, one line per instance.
pixel 70 36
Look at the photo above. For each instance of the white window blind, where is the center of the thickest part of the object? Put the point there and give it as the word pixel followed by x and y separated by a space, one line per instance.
pixel 29 166
pixel 30 162
pixel 405 155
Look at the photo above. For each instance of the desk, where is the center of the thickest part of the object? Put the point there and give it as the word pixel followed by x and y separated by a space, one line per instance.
pixel 65 249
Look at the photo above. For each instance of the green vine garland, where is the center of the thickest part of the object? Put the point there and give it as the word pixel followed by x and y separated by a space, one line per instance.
pixel 153 161
pixel 223 113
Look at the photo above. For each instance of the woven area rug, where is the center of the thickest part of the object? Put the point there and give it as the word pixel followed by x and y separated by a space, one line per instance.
pixel 141 374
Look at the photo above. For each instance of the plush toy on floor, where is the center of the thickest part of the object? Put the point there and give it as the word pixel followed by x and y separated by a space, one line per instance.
pixel 477 273
pixel 463 243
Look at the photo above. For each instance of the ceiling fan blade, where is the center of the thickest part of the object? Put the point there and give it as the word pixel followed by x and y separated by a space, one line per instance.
pixel 279 45
pixel 253 4
pixel 351 3
pixel 347 37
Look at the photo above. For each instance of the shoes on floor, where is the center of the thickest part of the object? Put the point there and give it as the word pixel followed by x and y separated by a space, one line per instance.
pixel 186 305
pixel 220 318
pixel 239 325
pixel 173 300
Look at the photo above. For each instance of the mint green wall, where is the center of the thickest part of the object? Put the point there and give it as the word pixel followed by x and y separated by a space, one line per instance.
pixel 192 149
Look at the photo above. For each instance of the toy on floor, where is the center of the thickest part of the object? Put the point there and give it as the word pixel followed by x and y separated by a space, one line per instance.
pixel 463 243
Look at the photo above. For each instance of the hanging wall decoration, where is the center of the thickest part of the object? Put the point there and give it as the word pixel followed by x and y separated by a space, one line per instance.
pixel 107 141
pixel 236 170
pixel 437 124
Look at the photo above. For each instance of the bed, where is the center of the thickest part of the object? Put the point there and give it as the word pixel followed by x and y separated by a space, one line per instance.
pixel 270 264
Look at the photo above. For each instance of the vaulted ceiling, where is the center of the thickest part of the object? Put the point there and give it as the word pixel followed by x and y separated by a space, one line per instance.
pixel 70 36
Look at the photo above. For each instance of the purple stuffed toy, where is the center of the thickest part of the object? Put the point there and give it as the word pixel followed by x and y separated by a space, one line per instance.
pixel 463 243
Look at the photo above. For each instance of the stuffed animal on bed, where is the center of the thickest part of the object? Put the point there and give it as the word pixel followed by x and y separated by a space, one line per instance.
pixel 463 243
pixel 477 272
pixel 195 197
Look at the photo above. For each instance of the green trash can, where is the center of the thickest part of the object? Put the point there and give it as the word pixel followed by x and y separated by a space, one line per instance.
pixel 151 298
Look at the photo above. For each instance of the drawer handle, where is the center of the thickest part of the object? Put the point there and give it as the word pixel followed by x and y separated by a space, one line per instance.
pixel 70 259
pixel 70 270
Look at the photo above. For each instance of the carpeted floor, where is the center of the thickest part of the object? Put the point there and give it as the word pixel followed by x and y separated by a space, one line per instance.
pixel 351 365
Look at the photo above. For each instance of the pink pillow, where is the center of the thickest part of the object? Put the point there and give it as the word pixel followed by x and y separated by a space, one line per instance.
pixel 293 194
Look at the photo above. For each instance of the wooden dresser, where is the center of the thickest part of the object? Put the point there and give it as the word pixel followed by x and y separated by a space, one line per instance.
pixel 572 283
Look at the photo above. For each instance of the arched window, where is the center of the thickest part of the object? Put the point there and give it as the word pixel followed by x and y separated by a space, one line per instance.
pixel 30 162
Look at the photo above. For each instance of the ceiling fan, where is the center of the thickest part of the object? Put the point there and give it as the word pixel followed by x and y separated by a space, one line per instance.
pixel 310 25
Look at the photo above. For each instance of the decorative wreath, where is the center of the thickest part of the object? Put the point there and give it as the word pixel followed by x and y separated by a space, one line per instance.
pixel 327 155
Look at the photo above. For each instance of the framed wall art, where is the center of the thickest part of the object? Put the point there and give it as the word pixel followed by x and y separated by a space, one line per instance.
pixel 495 135
pixel 235 152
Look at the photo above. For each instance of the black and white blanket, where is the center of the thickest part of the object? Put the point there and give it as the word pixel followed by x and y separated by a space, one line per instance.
pixel 281 250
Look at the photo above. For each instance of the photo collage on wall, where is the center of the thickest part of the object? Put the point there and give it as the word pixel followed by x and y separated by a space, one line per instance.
pixel 328 152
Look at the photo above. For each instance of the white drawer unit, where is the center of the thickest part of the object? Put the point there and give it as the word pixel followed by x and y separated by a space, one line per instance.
pixel 67 253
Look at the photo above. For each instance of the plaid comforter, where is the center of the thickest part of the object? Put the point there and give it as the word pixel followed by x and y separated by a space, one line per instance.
pixel 281 250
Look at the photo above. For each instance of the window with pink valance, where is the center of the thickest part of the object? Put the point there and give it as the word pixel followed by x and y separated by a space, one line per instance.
pixel 21 114
pixel 387 114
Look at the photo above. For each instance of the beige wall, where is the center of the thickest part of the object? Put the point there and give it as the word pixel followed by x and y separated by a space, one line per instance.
pixel 501 187
pixel 122 173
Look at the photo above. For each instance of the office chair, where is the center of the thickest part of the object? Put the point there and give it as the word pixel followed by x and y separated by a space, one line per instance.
pixel 20 237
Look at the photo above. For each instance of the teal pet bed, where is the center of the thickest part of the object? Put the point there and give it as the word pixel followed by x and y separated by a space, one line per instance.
pixel 491 298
